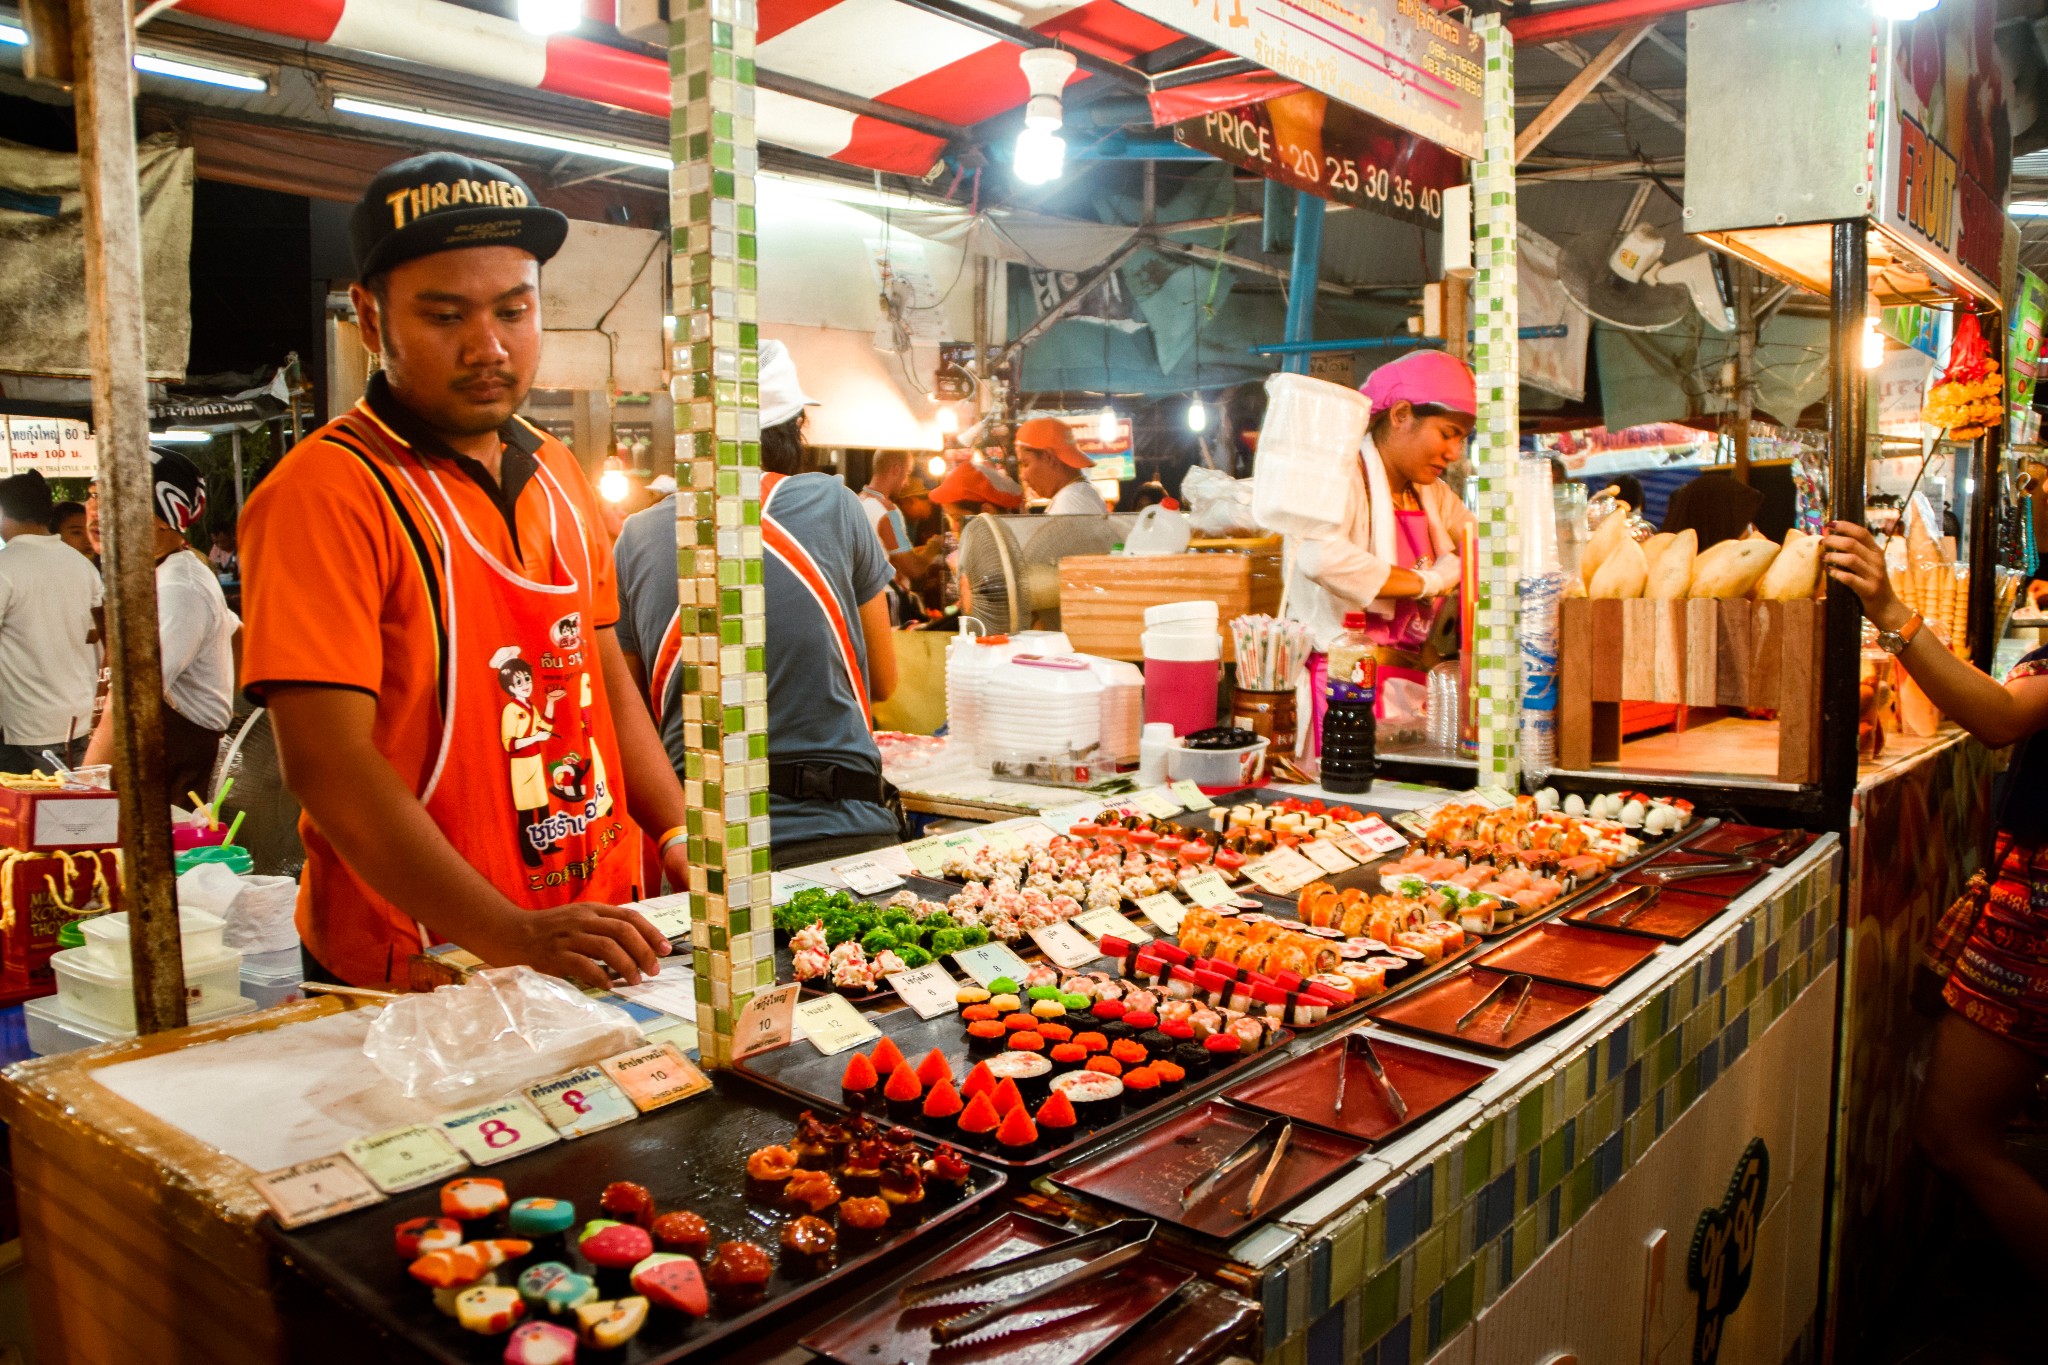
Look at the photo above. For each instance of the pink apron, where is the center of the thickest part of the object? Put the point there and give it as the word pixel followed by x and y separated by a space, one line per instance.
pixel 1404 633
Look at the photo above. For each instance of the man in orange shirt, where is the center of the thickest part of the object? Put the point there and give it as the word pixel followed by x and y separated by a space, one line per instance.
pixel 410 567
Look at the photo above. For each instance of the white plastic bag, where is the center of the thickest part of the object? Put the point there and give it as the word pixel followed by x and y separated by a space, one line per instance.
pixel 260 919
pixel 505 1028
pixel 210 888
pixel 1218 505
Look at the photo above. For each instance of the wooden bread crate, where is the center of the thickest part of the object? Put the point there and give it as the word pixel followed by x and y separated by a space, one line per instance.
pixel 1103 597
pixel 1757 656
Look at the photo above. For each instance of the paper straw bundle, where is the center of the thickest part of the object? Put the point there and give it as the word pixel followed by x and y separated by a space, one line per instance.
pixel 1270 652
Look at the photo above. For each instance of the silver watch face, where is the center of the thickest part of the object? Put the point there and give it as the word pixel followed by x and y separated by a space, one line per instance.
pixel 1890 641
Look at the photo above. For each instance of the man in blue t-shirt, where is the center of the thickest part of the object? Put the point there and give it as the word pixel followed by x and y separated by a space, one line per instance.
pixel 830 655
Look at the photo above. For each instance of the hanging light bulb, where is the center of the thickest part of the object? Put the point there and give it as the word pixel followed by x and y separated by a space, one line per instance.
pixel 550 16
pixel 949 421
pixel 936 466
pixel 1902 10
pixel 1041 153
pixel 1873 345
pixel 1105 425
pixel 613 485
pixel 1198 414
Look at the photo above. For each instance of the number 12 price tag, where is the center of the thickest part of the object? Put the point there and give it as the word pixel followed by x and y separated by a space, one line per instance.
pixel 498 1131
pixel 833 1024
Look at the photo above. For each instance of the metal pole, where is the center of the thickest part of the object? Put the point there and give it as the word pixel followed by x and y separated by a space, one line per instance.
pixel 1301 285
pixel 1745 364
pixel 235 450
pixel 1984 499
pixel 101 55
pixel 1848 436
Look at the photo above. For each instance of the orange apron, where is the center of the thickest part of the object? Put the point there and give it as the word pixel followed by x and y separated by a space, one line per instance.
pixel 524 782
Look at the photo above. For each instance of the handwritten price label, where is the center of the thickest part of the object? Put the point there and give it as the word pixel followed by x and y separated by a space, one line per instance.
pixel 1377 835
pixel 655 1075
pixel 928 990
pixel 313 1190
pixel 1209 889
pixel 406 1158
pixel 499 1131
pixel 990 961
pixel 767 1022
pixel 867 878
pixel 669 914
pixel 581 1103
pixel 1189 795
pixel 1097 923
pixel 1165 910
pixel 1064 945
pixel 1500 798
pixel 1155 801
pixel 832 1024
pixel 1328 856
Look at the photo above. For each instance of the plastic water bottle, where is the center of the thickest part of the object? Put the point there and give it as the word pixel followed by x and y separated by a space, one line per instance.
pixel 1153 742
pixel 1349 732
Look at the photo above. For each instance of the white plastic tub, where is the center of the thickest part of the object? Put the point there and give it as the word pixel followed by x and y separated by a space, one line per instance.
pixel 106 938
pixel 273 978
pixel 53 1029
pixel 92 992
pixel 1301 481
pixel 1175 613
pixel 1225 768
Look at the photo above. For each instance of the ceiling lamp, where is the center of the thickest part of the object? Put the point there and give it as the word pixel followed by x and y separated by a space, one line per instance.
pixel 1105 425
pixel 550 16
pixel 613 485
pixel 1041 153
pixel 949 421
pixel 936 466
pixel 1198 414
pixel 1902 10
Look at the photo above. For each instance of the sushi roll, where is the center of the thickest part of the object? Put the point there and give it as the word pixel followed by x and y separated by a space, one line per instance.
pixel 980 1081
pixel 1006 1002
pixel 1094 1096
pixel 978 1121
pixel 1093 1042
pixel 1045 991
pixel 1017 1135
pixel 971 994
pixel 859 1084
pixel 1067 1057
pixel 886 1057
pixel 1020 1022
pixel 904 1092
pixel 1003 985
pixel 1028 1041
pixel 933 1069
pixel 1193 1058
pixel 975 1014
pixel 986 1036
pixel 1141 1087
pixel 1054 1032
pixel 941 1107
pixel 1048 1009
pixel 1028 1071
pixel 1223 1048
pixel 1128 1051
pixel 1107 1065
pixel 1057 1122
pixel 1171 1076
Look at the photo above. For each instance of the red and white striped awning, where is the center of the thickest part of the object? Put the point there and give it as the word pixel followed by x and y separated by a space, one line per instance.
pixel 876 50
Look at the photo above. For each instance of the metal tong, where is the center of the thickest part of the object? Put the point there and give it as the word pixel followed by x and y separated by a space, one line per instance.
pixel 1276 1132
pixel 1358 1042
pixel 1518 982
pixel 1119 1243
pixel 1770 846
pixel 1644 896
pixel 1685 872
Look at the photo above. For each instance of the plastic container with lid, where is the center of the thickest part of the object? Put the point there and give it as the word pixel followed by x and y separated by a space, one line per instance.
pixel 1222 769
pixel 237 858
pixel 1182 671
pixel 273 978
pixel 93 992
pixel 53 1029
pixel 1308 442
pixel 106 937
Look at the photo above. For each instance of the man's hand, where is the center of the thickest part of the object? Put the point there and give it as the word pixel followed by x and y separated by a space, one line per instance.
pixel 579 941
pixel 1853 558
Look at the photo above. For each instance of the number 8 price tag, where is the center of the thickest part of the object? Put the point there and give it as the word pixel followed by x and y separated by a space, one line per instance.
pixel 498 1131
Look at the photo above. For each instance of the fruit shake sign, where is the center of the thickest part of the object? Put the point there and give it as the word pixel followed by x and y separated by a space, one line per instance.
pixel 1398 60
pixel 1947 150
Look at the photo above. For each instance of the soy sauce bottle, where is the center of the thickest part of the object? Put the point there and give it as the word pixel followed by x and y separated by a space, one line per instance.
pixel 1349 733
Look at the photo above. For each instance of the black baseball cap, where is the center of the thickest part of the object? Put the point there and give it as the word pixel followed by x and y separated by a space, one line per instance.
pixel 443 201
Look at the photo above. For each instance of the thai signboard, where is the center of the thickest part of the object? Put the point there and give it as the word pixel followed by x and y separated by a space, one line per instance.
pixel 1943 180
pixel 57 446
pixel 2023 342
pixel 1307 141
pixel 1398 60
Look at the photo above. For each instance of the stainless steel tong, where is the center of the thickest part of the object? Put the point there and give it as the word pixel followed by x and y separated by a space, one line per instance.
pixel 1107 1249
pixel 1636 898
pixel 1770 846
pixel 1685 872
pixel 1359 1043
pixel 1268 1135
pixel 1516 983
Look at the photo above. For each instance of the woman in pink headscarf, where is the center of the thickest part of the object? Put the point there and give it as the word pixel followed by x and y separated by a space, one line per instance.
pixel 1396 553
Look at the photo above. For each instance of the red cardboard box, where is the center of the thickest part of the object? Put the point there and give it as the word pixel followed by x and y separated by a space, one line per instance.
pixel 35 818
pixel 39 894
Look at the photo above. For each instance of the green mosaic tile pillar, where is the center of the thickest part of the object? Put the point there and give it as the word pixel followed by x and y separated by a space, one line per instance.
pixel 714 364
pixel 1496 359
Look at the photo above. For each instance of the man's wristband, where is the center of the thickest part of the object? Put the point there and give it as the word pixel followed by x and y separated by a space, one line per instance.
pixel 672 838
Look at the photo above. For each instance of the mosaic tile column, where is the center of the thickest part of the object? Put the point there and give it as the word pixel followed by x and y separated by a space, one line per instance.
pixel 1496 359
pixel 713 367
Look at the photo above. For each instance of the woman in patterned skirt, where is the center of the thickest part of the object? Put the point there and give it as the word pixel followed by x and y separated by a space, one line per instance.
pixel 1991 1047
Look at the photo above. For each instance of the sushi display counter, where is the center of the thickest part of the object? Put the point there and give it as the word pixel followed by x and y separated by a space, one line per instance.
pixel 1379 1177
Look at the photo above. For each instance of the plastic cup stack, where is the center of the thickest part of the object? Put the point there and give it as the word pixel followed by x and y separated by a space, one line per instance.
pixel 1536 633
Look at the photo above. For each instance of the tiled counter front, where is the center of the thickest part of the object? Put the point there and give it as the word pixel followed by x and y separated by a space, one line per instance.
pixel 1419 1254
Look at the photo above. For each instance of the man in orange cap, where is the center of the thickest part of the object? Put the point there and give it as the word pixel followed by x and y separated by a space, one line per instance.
pixel 1050 464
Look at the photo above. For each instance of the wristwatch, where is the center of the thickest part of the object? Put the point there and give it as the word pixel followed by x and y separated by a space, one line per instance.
pixel 1894 642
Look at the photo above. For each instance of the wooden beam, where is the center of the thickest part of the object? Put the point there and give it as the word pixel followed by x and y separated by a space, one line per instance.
pixel 1644 99
pixel 1591 73
pixel 102 51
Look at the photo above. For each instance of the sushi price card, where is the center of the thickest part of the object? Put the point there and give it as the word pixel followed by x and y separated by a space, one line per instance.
pixel 1500 798
pixel 832 1024
pixel 1064 945
pixel 498 1131
pixel 1165 910
pixel 657 1075
pixel 406 1158
pixel 929 856
pixel 1377 835
pixel 766 1022
pixel 1210 890
pixel 313 1190
pixel 1283 872
pixel 669 914
pixel 582 1102
pixel 928 990
pixel 1189 795
pixel 1327 856
pixel 990 961
pixel 867 878
pixel 1157 802
pixel 1114 923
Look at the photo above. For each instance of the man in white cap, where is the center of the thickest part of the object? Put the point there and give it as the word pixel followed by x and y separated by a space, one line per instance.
pixel 829 652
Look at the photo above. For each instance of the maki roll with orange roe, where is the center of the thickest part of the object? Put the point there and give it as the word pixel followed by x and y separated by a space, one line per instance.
pixel 1017 1135
pixel 886 1057
pixel 858 1084
pixel 985 1035
pixel 978 1120
pixel 1027 1042
pixel 1171 1076
pixel 1017 1023
pixel 1068 1056
pixel 975 1014
pixel 1007 1096
pixel 903 1092
pixel 1056 1119
pixel 1128 1051
pixel 1141 1087
pixel 942 1104
pixel 1093 1042
pixel 980 1081
pixel 1055 1033
pixel 933 1069
pixel 1108 1066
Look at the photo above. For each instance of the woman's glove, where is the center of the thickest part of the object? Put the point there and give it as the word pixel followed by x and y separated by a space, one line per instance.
pixel 1441 577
